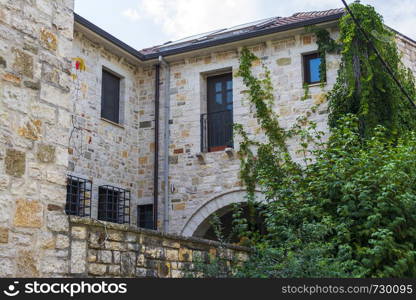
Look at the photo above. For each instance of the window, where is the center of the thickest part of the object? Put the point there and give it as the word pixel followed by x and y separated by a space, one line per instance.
pixel 145 216
pixel 110 97
pixel 78 197
pixel 312 68
pixel 217 124
pixel 113 205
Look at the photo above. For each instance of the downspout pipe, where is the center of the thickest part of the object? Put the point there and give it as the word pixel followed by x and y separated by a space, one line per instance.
pixel 156 158
pixel 166 144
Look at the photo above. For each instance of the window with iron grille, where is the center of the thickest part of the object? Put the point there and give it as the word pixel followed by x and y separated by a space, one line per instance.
pixel 78 197
pixel 312 68
pixel 217 123
pixel 145 216
pixel 114 204
pixel 110 97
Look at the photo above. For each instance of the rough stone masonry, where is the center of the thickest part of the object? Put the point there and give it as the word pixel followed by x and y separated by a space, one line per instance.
pixel 35 50
pixel 114 250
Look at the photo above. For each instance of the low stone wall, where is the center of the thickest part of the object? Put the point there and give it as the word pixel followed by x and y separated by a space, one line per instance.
pixel 99 249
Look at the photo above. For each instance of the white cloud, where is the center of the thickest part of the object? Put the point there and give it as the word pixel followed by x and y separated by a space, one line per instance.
pixel 131 14
pixel 400 16
pixel 183 18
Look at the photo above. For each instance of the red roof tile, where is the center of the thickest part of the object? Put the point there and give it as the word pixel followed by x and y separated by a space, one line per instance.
pixel 242 29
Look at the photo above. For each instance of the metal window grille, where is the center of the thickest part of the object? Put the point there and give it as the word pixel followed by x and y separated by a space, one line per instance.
pixel 114 204
pixel 145 216
pixel 78 197
pixel 217 131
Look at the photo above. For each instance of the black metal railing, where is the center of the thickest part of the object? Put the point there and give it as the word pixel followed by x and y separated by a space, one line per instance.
pixel 217 131
pixel 114 204
pixel 78 197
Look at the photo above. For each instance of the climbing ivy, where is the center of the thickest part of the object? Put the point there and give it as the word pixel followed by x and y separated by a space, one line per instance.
pixel 307 94
pixel 363 87
pixel 325 45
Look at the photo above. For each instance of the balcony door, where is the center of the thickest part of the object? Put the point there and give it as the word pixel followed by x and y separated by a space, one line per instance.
pixel 219 116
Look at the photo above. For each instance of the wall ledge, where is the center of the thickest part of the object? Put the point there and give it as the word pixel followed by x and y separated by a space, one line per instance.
pixel 77 221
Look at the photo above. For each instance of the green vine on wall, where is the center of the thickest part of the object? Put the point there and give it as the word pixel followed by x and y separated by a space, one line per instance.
pixel 326 45
pixel 307 93
pixel 363 87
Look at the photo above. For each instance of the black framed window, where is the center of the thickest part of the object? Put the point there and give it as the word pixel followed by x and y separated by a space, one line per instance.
pixel 78 197
pixel 217 124
pixel 312 68
pixel 114 204
pixel 110 97
pixel 145 216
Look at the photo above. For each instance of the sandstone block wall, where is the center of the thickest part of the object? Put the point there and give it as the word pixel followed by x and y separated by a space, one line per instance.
pixel 111 250
pixel 124 157
pixel 408 50
pixel 195 182
pixel 35 108
pixel 119 155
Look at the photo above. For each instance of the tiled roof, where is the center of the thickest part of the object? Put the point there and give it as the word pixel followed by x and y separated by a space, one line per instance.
pixel 240 30
pixel 219 37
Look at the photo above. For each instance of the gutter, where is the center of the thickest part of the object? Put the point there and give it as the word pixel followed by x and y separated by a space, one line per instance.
pixel 166 143
pixel 156 158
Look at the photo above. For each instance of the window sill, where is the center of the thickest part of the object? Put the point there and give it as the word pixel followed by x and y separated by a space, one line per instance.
pixel 218 149
pixel 221 150
pixel 112 123
pixel 229 151
pixel 316 84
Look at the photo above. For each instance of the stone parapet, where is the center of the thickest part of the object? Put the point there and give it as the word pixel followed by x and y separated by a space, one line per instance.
pixel 100 249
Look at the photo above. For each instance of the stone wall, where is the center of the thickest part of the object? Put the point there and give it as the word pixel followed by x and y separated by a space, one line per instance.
pixel 110 250
pixel 124 157
pixel 101 151
pixel 35 105
pixel 194 182
pixel 408 50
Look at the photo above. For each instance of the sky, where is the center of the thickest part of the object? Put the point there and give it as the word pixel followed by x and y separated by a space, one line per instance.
pixel 146 23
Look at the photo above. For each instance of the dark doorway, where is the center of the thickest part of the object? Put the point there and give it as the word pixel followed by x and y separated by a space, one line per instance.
pixel 145 216
pixel 219 116
pixel 226 221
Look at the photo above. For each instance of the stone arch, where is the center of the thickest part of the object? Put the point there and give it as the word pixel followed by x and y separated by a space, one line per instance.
pixel 219 204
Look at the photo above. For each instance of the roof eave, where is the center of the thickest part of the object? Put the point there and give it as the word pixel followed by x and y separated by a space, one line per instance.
pixel 104 34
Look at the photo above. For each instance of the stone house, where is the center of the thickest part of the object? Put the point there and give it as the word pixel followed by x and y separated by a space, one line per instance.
pixel 203 98
pixel 94 128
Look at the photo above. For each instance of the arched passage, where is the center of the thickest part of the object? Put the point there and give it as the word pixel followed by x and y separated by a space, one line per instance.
pixel 199 223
